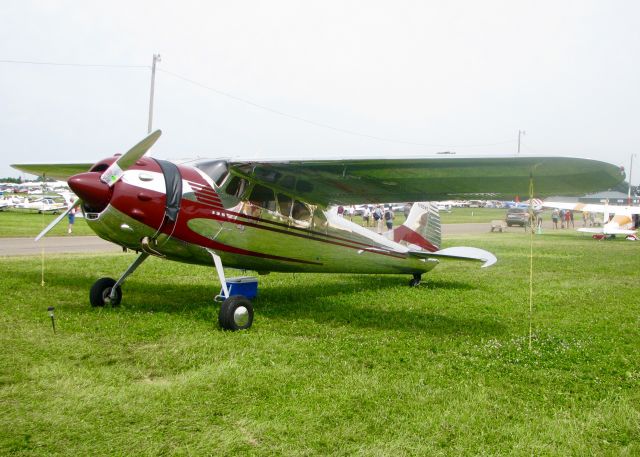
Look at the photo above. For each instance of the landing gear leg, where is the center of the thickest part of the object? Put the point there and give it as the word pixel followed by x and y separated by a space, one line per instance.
pixel 236 312
pixel 107 291
pixel 417 277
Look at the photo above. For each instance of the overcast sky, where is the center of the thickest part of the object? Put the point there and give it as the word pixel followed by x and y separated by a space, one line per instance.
pixel 427 76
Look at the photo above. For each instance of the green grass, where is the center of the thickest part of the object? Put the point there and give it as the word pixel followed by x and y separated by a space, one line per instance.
pixel 468 215
pixel 25 224
pixel 334 364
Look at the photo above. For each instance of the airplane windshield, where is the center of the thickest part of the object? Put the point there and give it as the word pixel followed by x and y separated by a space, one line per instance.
pixel 217 170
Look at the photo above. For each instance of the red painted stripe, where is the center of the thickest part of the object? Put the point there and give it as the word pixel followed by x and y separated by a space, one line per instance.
pixel 208 194
pixel 209 201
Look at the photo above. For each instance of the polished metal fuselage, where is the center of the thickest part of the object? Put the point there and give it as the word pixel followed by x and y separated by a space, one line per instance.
pixel 249 237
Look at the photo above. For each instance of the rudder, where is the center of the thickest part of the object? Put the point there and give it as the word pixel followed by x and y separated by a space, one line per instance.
pixel 422 227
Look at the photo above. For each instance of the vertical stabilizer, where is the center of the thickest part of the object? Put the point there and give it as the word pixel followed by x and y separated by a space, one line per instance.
pixel 422 227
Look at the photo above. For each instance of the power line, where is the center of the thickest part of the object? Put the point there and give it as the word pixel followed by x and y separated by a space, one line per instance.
pixel 257 105
pixel 319 124
pixel 67 64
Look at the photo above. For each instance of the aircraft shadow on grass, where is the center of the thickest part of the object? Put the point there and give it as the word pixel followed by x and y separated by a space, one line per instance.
pixel 326 303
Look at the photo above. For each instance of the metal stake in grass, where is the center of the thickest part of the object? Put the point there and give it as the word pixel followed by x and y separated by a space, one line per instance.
pixel 531 214
pixel 53 319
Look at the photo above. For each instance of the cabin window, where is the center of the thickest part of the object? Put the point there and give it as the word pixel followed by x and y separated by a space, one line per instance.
pixel 263 197
pixel 285 202
pixel 236 186
pixel 266 174
pixel 300 211
pixel 217 170
pixel 288 182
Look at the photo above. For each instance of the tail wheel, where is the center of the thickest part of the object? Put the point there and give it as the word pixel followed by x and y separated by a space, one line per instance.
pixel 100 293
pixel 236 313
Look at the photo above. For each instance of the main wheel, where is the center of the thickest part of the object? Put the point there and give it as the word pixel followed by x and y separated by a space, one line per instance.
pixel 236 313
pixel 415 281
pixel 100 293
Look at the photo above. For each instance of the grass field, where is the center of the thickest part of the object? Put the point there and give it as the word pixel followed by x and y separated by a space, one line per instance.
pixel 24 224
pixel 334 364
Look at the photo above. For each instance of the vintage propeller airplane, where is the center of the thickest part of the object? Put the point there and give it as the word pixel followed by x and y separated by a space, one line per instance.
pixel 617 219
pixel 276 215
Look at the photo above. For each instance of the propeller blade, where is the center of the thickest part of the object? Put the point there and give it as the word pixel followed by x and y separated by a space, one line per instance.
pixel 112 174
pixel 56 220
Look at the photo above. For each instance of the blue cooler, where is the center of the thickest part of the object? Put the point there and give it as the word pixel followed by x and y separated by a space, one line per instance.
pixel 242 285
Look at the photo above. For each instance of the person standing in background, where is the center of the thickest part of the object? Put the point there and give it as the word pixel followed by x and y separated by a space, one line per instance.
pixel 366 216
pixel 72 219
pixel 388 217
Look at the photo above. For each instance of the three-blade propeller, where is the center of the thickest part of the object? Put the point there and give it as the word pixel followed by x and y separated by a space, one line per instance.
pixel 112 174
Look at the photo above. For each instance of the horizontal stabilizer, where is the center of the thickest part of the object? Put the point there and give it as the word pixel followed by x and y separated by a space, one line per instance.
pixel 459 253
pixel 594 207
pixel 608 231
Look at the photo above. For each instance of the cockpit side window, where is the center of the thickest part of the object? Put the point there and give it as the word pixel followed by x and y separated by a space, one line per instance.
pixel 263 197
pixel 285 202
pixel 300 211
pixel 236 186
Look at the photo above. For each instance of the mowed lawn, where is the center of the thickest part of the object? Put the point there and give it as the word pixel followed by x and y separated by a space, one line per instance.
pixel 25 224
pixel 334 364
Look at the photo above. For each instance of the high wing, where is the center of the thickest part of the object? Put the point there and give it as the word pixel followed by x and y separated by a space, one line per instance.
pixel 594 207
pixel 61 171
pixel 353 181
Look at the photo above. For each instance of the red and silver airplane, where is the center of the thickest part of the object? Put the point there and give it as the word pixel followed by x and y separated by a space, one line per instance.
pixel 277 215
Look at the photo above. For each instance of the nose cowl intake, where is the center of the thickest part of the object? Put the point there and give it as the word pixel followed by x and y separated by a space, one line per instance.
pixel 94 193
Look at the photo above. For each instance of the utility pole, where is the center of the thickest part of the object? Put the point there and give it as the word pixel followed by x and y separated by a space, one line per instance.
pixel 156 58
pixel 630 171
pixel 520 133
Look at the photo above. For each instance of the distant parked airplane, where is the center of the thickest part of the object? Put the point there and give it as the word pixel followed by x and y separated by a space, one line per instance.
pixel 41 205
pixel 618 220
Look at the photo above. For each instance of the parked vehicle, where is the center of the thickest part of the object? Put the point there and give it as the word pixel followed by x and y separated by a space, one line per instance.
pixel 517 216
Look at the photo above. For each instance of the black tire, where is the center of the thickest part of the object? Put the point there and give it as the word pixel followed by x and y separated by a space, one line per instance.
pixel 100 291
pixel 415 281
pixel 508 225
pixel 236 313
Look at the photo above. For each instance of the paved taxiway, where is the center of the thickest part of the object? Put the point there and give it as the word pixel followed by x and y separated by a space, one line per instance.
pixel 84 244
pixel 55 245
